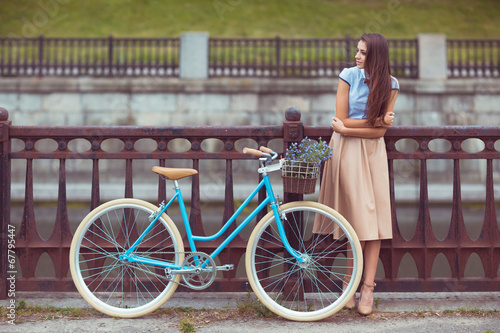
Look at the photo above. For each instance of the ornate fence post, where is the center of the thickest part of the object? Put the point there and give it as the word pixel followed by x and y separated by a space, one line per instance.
pixel 41 63
pixel 278 59
pixel 4 199
pixel 111 55
pixel 293 131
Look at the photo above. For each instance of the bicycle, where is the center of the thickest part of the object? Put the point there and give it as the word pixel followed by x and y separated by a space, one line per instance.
pixel 127 256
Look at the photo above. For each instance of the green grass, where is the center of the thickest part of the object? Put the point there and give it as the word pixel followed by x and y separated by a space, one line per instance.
pixel 251 305
pixel 47 312
pixel 250 18
pixel 186 326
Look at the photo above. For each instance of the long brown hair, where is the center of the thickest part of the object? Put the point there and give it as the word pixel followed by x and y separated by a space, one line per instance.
pixel 378 75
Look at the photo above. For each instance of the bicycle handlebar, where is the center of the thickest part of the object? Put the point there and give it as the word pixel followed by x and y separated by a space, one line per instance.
pixel 266 150
pixel 252 151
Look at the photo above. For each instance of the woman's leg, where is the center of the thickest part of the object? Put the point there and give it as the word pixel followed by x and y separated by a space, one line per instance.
pixel 371 251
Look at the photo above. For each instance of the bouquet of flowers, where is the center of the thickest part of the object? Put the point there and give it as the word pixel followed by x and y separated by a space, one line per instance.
pixel 302 164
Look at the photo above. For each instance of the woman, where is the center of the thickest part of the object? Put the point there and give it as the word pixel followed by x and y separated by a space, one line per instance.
pixel 356 180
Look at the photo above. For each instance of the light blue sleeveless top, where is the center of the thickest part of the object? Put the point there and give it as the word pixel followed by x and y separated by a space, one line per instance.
pixel 358 91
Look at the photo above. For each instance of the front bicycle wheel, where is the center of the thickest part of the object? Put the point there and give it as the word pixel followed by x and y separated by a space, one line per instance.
pixel 311 290
pixel 111 285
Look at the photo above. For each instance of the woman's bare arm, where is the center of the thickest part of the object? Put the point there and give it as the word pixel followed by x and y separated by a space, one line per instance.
pixel 342 107
pixel 359 127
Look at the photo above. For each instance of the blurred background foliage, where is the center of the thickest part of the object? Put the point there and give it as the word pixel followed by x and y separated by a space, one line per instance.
pixel 249 18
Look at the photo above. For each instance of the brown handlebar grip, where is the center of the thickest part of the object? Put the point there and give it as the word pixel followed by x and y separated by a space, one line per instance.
pixel 251 151
pixel 266 150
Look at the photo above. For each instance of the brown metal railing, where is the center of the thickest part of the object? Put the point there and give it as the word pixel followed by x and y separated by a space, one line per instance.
pixel 228 57
pixel 423 246
pixel 238 57
pixel 306 58
pixel 279 57
pixel 473 58
pixel 47 56
pixel 457 245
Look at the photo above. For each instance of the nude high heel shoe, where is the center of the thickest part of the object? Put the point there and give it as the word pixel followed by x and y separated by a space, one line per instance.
pixel 351 304
pixel 365 310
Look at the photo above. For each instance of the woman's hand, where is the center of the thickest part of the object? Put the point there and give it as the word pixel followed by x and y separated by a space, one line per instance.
pixel 385 121
pixel 338 125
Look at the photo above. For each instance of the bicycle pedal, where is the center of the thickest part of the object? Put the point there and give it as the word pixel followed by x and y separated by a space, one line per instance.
pixel 228 267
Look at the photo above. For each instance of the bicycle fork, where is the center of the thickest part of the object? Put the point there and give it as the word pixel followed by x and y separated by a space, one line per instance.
pixel 281 219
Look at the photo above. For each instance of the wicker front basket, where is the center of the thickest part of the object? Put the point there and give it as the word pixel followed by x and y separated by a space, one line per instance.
pixel 299 177
pixel 297 185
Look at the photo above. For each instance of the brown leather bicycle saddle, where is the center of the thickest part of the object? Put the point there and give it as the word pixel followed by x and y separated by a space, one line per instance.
pixel 174 173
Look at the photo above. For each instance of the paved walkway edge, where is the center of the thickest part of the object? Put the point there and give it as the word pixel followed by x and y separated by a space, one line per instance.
pixel 386 302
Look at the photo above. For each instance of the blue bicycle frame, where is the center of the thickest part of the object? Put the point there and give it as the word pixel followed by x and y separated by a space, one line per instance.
pixel 130 257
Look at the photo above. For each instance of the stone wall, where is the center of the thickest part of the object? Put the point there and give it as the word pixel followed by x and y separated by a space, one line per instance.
pixel 235 101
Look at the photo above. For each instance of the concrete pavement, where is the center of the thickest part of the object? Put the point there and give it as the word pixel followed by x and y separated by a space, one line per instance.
pixel 396 312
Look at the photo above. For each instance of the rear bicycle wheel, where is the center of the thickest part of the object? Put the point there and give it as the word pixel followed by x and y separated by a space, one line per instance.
pixel 111 285
pixel 311 290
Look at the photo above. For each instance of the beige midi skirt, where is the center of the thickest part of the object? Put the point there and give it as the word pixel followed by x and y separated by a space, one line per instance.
pixel 356 184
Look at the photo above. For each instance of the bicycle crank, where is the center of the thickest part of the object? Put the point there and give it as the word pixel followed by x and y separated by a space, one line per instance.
pixel 198 270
